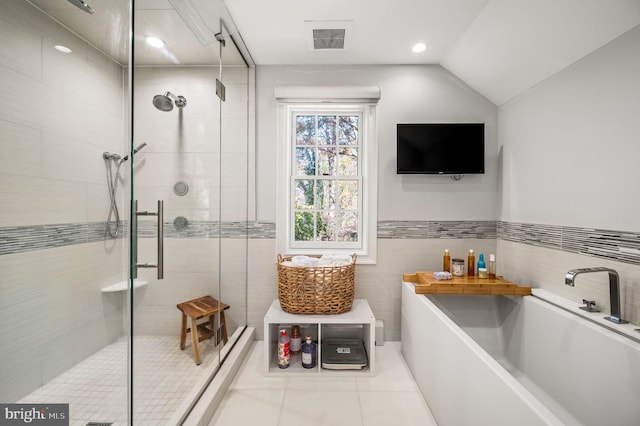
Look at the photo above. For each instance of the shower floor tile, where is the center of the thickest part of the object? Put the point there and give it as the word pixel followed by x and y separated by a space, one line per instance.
pixel 391 397
pixel 96 389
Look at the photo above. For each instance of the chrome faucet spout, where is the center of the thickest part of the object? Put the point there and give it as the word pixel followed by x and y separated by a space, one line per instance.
pixel 614 289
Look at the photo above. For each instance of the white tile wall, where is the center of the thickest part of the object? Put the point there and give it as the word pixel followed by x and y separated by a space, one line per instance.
pixel 545 268
pixel 61 112
pixel 379 284
pixel 184 145
pixel 53 313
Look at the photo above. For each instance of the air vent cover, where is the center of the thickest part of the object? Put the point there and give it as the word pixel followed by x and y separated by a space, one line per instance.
pixel 328 38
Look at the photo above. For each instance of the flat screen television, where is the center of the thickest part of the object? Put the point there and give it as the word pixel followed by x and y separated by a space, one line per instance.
pixel 440 148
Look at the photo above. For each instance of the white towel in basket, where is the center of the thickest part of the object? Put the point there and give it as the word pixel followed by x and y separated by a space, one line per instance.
pixel 326 260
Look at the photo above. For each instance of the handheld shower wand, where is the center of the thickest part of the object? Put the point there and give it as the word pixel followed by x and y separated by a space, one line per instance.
pixel 114 225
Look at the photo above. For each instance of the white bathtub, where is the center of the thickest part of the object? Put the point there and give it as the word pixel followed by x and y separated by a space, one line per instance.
pixel 496 360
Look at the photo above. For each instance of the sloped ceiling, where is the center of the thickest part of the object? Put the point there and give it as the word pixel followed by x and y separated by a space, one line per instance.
pixel 501 48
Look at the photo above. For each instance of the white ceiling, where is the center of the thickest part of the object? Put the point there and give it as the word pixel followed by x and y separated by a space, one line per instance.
pixel 107 30
pixel 501 48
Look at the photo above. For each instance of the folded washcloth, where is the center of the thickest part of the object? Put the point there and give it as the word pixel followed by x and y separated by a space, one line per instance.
pixel 442 275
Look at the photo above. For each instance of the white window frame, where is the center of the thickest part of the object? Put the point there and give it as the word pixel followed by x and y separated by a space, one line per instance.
pixel 366 247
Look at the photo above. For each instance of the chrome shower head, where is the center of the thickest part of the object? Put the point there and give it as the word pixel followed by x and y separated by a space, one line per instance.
pixel 82 5
pixel 165 102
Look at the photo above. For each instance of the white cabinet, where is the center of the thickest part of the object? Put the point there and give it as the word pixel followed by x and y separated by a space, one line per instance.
pixel 358 323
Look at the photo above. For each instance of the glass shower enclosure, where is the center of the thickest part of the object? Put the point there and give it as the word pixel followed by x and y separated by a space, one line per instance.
pixel 124 160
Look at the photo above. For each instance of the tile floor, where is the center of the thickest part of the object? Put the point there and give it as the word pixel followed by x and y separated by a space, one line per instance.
pixel 96 388
pixel 391 397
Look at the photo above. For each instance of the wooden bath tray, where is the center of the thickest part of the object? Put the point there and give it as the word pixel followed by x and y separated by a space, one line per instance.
pixel 426 284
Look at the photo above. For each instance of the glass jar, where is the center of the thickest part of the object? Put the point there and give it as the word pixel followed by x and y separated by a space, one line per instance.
pixel 457 267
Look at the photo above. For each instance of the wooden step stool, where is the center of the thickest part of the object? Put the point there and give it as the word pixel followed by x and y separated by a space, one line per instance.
pixel 196 309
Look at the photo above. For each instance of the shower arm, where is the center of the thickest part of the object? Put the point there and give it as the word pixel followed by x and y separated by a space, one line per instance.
pixel 171 95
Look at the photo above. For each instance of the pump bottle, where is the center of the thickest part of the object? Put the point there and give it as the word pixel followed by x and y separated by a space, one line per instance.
pixel 446 262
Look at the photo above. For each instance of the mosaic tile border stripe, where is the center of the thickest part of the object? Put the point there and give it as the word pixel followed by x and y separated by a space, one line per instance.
pixel 19 239
pixel 481 229
pixel 618 246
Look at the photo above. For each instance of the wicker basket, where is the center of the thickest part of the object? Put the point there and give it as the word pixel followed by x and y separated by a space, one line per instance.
pixel 316 289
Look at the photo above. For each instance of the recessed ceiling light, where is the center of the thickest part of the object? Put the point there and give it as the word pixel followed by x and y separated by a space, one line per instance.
pixel 155 42
pixel 420 47
pixel 61 48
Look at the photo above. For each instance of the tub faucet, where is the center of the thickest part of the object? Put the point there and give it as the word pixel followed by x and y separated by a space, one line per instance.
pixel 614 289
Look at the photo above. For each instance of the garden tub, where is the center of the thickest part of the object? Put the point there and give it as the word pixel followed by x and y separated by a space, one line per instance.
pixel 507 360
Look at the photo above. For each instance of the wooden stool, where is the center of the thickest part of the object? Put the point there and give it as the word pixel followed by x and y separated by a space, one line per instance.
pixel 198 308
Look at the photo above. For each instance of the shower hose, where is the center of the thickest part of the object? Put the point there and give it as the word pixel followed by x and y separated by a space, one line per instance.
pixel 113 225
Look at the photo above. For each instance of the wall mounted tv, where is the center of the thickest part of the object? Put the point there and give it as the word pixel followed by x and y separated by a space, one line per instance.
pixel 440 148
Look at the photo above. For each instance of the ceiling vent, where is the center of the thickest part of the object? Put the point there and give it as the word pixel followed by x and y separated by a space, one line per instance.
pixel 328 38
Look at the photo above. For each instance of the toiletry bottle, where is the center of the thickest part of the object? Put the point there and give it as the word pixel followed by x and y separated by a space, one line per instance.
pixel 283 349
pixel 296 340
pixel 481 263
pixel 446 262
pixel 309 353
pixel 471 264
pixel 492 266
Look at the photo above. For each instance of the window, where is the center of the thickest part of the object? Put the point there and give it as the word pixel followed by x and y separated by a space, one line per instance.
pixel 326 183
pixel 327 179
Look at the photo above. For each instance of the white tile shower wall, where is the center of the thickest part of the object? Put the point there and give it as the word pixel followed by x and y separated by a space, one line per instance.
pixel 190 273
pixel 185 145
pixel 380 284
pixel 63 111
pixel 53 312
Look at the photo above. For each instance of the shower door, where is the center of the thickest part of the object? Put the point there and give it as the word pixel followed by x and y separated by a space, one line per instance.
pixel 189 196
pixel 96 119
pixel 63 216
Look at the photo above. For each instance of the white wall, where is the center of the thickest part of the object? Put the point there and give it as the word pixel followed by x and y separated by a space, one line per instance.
pixel 570 147
pixel 570 150
pixel 410 94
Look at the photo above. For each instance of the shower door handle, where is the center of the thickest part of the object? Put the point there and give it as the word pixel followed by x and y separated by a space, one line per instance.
pixel 160 263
